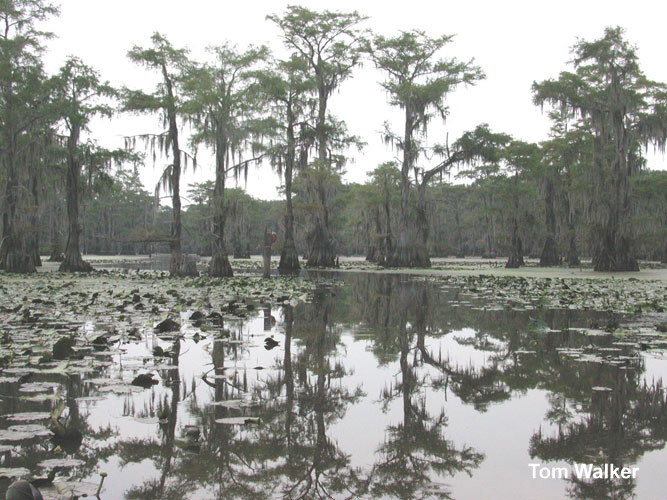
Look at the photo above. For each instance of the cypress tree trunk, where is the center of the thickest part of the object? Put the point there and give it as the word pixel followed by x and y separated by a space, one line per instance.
pixel 613 245
pixel 178 264
pixel 612 250
pixel 34 212
pixel 321 243
pixel 373 253
pixel 388 246
pixel 613 254
pixel 289 259
pixel 219 266
pixel 56 254
pixel 549 255
pixel 515 259
pixel 516 246
pixel 16 256
pixel 240 251
pixel 572 254
pixel 73 262
pixel 490 253
pixel 422 227
pixel 410 250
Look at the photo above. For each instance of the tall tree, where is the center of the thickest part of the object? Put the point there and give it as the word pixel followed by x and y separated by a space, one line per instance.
pixel 520 158
pixel 167 101
pixel 224 100
pixel 418 83
pixel 485 175
pixel 21 93
pixel 330 43
pixel 384 189
pixel 288 88
pixel 564 155
pixel 79 96
pixel 625 112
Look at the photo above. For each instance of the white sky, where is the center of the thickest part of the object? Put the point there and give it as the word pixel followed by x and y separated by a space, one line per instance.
pixel 515 42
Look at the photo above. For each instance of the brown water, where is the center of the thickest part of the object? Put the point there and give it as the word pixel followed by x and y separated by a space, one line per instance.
pixel 381 387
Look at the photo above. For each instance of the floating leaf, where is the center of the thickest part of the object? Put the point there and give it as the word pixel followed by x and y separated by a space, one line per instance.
pixel 60 462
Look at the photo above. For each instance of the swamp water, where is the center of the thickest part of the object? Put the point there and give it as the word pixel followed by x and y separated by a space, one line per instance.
pixel 380 386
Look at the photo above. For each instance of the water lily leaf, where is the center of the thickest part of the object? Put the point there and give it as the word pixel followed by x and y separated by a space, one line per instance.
pixel 28 416
pixel 38 386
pixel 238 420
pixel 120 389
pixel 14 472
pixel 70 488
pixel 60 462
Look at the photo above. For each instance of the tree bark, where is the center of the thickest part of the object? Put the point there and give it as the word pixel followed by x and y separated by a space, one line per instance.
pixel 549 256
pixel 15 252
pixel 73 262
pixel 373 252
pixel 179 265
pixel 321 243
pixel 289 259
pixel 515 259
pixel 612 250
pixel 572 254
pixel 34 211
pixel 409 251
pixel 387 247
pixel 219 266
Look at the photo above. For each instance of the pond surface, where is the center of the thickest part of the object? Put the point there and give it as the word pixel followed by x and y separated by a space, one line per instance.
pixel 380 386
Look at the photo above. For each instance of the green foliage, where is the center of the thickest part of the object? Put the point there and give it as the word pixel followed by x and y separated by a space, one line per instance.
pixel 328 41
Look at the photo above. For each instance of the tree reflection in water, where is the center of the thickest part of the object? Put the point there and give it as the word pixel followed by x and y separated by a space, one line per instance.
pixel 600 411
pixel 415 450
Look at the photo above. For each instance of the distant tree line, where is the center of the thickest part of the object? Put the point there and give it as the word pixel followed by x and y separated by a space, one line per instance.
pixel 465 220
pixel 583 191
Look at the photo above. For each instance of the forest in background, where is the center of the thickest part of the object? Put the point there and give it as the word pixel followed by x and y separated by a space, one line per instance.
pixel 585 191
pixel 466 220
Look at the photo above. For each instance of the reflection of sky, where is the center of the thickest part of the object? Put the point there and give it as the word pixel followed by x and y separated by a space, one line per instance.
pixel 502 432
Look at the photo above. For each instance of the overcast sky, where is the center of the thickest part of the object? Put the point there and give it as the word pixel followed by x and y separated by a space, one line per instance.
pixel 514 42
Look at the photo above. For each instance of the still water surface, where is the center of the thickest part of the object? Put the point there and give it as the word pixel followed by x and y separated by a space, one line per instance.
pixel 384 386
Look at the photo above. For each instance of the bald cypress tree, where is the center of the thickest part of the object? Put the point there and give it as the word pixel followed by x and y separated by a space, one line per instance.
pixel 22 111
pixel 223 101
pixel 417 82
pixel 329 42
pixel 79 96
pixel 288 88
pixel 167 102
pixel 610 95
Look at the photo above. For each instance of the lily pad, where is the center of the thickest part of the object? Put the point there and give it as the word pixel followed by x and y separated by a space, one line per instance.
pixel 28 416
pixel 60 462
pixel 73 489
pixel 238 420
pixel 120 389
pixel 14 472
